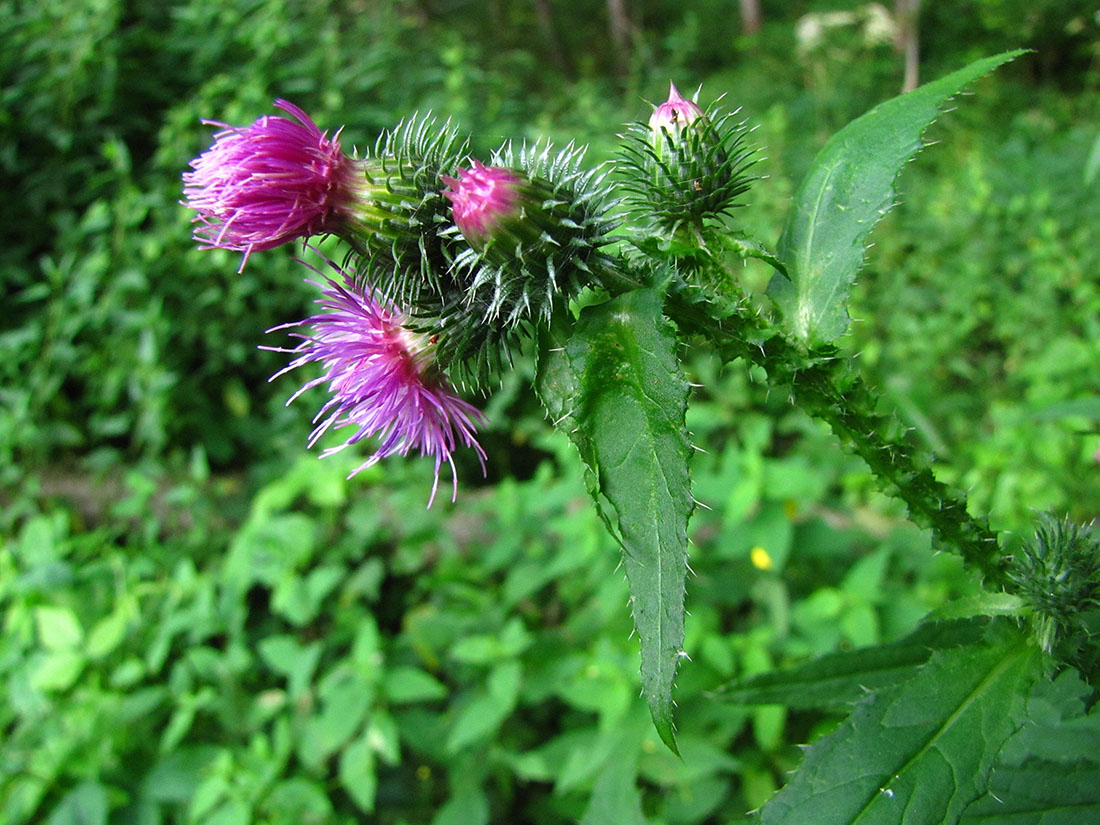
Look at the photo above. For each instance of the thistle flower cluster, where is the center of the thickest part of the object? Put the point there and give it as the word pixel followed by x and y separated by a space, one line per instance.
pixel 453 261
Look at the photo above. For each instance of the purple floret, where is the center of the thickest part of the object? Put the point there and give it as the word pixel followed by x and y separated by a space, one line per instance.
pixel 267 184
pixel 382 379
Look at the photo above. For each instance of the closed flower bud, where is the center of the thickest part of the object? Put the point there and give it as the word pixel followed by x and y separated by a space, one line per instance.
pixel 672 116
pixel 529 226
pixel 685 166
pixel 535 223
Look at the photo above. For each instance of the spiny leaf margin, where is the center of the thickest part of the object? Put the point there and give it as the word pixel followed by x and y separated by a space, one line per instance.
pixel 849 188
pixel 922 750
pixel 616 388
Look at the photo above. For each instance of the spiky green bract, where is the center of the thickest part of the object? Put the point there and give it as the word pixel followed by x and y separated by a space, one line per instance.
pixel 1057 575
pixel 537 261
pixel 684 177
pixel 408 246
pixel 402 213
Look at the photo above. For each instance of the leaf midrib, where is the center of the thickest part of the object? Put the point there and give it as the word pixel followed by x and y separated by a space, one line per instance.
pixel 941 731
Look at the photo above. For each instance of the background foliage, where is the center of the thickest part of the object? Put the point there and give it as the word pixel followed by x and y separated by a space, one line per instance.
pixel 203 623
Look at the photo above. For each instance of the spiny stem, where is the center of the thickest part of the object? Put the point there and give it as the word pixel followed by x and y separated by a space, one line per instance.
pixel 826 387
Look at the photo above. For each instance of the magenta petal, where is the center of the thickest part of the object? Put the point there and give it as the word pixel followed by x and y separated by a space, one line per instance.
pixel 482 198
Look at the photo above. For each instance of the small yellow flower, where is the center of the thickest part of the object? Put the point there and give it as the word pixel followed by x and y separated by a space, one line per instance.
pixel 760 558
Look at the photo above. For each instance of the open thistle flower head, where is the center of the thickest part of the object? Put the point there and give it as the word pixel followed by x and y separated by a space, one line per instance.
pixel 382 378
pixel 674 114
pixel 483 199
pixel 270 183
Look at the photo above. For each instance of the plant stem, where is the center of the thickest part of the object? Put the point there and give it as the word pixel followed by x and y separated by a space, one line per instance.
pixel 826 387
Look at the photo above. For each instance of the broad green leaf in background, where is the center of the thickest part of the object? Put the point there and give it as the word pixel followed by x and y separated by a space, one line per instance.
pixel 616 388
pixel 488 709
pixel 918 752
pixel 84 805
pixel 357 774
pixel 843 678
pixel 849 188
pixel 615 798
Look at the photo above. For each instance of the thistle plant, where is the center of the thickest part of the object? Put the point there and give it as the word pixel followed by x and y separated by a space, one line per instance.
pixel 453 261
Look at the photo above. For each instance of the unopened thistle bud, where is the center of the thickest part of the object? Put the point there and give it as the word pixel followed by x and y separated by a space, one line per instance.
pixel 535 222
pixel 1058 576
pixel 673 116
pixel 686 165
pixel 264 185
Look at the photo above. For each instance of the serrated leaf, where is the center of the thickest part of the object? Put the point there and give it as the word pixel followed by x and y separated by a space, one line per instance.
pixel 849 188
pixel 616 388
pixel 838 679
pixel 1046 773
pixel 921 751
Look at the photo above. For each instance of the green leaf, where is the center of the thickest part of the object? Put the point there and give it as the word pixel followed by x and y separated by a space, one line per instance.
pixel 175 777
pixel 285 655
pixel 299 800
pixel 406 685
pixel 615 799
pixel 467 806
pixel 486 711
pixel 985 603
pixel 357 774
pixel 840 679
pixel 57 671
pixel 346 698
pixel 84 805
pixel 849 188
pixel 1046 773
pixel 107 634
pixel 920 751
pixel 616 388
pixel 58 628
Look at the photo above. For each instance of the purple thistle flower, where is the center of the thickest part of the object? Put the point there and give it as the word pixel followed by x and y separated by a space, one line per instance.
pixel 675 113
pixel 382 378
pixel 270 183
pixel 483 198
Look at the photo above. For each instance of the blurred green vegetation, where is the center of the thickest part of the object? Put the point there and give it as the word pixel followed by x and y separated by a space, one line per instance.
pixel 204 623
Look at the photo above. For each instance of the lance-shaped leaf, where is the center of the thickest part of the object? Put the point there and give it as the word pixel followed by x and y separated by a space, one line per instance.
pixel 849 187
pixel 616 387
pixel 920 751
pixel 838 679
